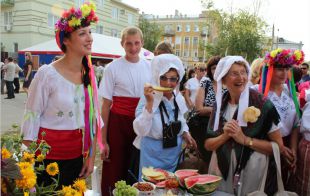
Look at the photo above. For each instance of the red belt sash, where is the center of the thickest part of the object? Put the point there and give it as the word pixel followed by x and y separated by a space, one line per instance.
pixel 65 144
pixel 125 105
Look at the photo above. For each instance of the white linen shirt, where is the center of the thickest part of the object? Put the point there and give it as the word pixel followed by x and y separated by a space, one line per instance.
pixel 54 103
pixel 286 109
pixel 149 124
pixel 125 79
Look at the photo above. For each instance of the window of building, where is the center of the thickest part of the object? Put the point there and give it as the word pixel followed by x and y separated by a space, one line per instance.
pixel 101 3
pixel 186 40
pixel 115 13
pixel 15 47
pixel 195 41
pixel 177 40
pixel 186 53
pixel 114 33
pixel 99 29
pixel 179 28
pixel 195 53
pixel 196 28
pixel 168 28
pixel 130 19
pixel 177 52
pixel 51 20
pixel 188 28
pixel 8 18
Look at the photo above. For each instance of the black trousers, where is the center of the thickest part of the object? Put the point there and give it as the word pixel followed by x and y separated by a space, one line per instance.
pixel 10 89
pixel 16 85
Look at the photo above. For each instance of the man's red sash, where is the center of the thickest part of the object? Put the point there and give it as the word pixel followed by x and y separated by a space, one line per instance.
pixel 125 105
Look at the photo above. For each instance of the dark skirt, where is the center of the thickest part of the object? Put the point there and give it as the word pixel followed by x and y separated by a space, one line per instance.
pixel 27 83
pixel 69 171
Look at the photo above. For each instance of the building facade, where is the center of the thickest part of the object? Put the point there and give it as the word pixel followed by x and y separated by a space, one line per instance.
pixel 25 23
pixel 187 34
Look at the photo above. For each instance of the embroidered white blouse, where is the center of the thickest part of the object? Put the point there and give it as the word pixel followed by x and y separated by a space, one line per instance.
pixel 286 109
pixel 53 102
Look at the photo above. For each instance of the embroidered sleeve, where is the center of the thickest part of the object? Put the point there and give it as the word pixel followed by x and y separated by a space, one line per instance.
pixel 36 102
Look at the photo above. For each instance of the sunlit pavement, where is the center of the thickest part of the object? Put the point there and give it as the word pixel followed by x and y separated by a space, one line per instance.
pixel 12 111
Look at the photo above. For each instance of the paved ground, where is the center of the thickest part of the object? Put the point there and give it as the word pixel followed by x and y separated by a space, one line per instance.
pixel 12 111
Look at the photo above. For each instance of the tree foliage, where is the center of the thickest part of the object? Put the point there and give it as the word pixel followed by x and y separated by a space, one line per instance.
pixel 240 33
pixel 151 33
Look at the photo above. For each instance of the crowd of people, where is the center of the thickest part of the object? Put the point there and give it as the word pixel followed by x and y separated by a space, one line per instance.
pixel 139 125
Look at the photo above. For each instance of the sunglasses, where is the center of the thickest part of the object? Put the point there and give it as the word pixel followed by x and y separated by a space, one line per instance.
pixel 303 68
pixel 172 79
pixel 202 69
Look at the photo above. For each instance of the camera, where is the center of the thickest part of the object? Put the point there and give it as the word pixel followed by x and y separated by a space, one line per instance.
pixel 170 134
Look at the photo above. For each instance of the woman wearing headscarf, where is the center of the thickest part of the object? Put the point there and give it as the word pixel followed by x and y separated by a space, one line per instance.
pixel 241 126
pixel 62 107
pixel 159 124
pixel 277 83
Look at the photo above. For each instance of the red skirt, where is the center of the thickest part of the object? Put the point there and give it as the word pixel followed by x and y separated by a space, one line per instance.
pixel 65 144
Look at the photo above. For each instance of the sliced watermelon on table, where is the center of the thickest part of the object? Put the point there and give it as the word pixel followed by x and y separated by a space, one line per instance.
pixel 202 184
pixel 184 173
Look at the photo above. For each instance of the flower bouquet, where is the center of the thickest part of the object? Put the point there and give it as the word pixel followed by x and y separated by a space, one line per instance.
pixel 20 167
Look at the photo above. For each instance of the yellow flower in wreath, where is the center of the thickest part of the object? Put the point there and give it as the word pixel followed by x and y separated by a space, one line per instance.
pixel 52 169
pixel 251 114
pixel 5 153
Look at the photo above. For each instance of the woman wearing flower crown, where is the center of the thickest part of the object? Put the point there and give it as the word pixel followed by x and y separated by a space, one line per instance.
pixel 62 107
pixel 277 83
pixel 241 126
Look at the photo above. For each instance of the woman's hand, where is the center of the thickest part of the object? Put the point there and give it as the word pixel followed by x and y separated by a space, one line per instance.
pixel 105 152
pixel 88 167
pixel 235 131
pixel 190 142
pixel 205 111
pixel 148 93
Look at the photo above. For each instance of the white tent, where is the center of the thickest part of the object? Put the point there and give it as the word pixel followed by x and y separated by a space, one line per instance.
pixel 103 47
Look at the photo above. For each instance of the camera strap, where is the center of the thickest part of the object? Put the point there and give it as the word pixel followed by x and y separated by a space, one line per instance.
pixel 163 109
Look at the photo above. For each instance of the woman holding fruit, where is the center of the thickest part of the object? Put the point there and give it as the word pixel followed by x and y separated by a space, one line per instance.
pixel 62 107
pixel 159 124
pixel 241 126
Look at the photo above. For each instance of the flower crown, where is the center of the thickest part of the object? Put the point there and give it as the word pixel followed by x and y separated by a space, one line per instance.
pixel 284 57
pixel 73 19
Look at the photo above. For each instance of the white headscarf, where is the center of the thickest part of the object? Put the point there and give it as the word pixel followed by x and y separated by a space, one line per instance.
pixel 160 65
pixel 222 69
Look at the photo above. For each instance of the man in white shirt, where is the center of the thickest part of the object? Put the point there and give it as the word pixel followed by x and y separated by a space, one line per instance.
pixel 16 77
pixel 9 77
pixel 121 88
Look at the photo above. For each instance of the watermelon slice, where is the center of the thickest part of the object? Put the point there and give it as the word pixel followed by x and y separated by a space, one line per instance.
pixel 161 184
pixel 184 173
pixel 202 184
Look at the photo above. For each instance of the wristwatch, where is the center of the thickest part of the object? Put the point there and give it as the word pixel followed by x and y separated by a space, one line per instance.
pixel 251 142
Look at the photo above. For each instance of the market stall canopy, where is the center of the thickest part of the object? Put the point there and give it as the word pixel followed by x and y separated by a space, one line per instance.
pixel 103 47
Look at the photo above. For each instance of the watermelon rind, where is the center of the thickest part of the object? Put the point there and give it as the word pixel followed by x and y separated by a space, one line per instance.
pixel 202 187
pixel 193 172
